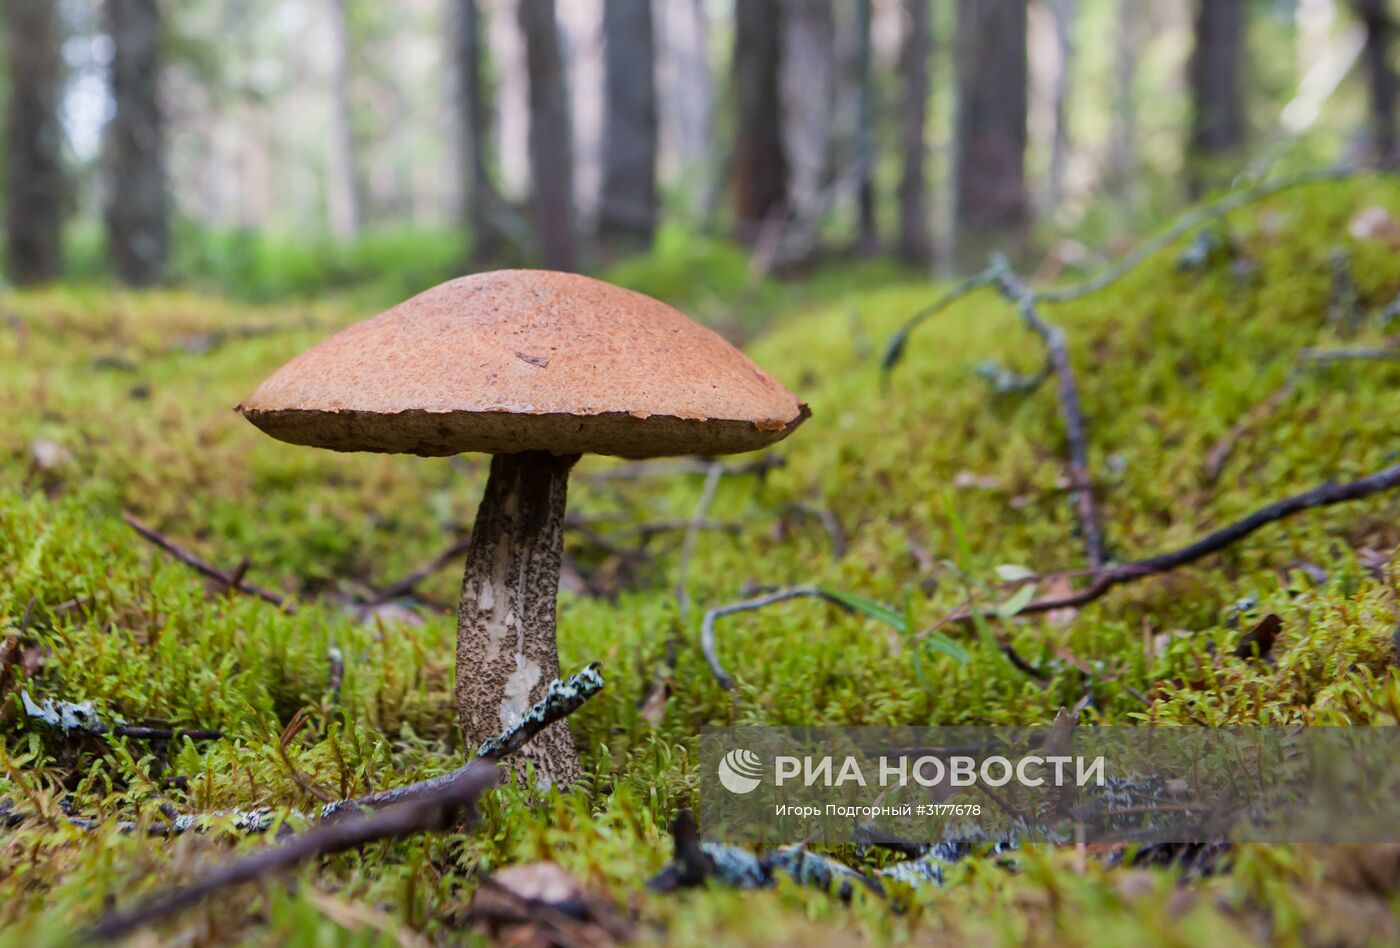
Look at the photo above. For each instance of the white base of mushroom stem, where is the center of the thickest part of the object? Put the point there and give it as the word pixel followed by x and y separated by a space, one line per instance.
pixel 506 654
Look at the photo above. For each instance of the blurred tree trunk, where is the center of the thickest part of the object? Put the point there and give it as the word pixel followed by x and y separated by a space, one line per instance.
pixel 759 164
pixel 482 200
pixel 138 203
pixel 1122 140
pixel 1062 12
pixel 687 97
pixel 867 233
pixel 1217 89
pixel 627 217
pixel 551 158
pixel 342 188
pixel 806 87
pixel 1380 31
pixel 915 238
pixel 989 150
pixel 35 186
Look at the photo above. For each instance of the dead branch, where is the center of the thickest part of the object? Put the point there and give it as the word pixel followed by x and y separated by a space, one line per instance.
pixel 644 532
pixel 702 510
pixel 431 805
pixel 80 719
pixel 447 804
pixel 707 624
pixel 1220 452
pixel 894 350
pixel 639 469
pixel 231 581
pixel 1071 413
pixel 1324 495
pixel 562 699
pixel 830 523
pixel 1379 353
pixel 1190 220
pixel 406 585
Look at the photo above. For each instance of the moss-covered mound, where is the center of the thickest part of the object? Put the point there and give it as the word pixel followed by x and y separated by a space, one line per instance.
pixel 913 493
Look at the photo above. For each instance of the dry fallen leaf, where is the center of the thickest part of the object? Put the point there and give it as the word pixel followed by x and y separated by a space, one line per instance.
pixel 1260 639
pixel 541 904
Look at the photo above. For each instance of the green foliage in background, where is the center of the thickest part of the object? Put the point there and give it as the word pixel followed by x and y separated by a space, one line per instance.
pixel 123 402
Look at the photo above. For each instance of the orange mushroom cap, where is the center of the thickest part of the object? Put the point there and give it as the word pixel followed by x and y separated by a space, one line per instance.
pixel 526 360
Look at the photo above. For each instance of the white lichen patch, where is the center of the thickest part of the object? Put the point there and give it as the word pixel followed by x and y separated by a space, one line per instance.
pixel 517 691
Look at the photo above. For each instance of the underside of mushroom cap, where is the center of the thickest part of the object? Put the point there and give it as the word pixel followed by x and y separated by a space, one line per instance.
pixel 526 360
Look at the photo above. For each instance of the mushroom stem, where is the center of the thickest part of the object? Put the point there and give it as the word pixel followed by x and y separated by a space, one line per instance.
pixel 506 652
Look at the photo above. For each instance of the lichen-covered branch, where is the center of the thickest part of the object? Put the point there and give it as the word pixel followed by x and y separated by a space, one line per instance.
pixel 444 806
pixel 561 699
pixel 80 719
pixel 428 806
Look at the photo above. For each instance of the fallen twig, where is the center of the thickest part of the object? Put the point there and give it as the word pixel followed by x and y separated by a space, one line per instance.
pixel 562 699
pixel 1190 220
pixel 1350 355
pixel 231 581
pixel 626 472
pixel 427 806
pixel 830 523
pixel 644 532
pixel 1220 452
pixel 406 585
pixel 1071 413
pixel 707 624
pixel 702 510
pixel 1000 275
pixel 1322 496
pixel 433 811
pixel 81 719
pixel 894 350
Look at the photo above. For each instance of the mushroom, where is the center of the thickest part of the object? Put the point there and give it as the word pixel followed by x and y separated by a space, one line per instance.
pixel 534 368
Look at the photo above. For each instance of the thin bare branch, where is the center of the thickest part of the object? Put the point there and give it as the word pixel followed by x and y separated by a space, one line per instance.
pixel 1190 220
pixel 640 469
pixel 702 510
pixel 1323 496
pixel 1071 412
pixel 231 581
pixel 707 624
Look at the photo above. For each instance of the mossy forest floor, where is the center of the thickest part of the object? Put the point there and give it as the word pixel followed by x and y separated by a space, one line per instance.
pixel 113 402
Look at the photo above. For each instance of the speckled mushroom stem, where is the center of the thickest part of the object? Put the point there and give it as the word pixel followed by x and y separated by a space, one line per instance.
pixel 506 652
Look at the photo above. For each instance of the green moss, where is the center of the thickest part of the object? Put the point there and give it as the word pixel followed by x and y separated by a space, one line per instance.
pixel 137 391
